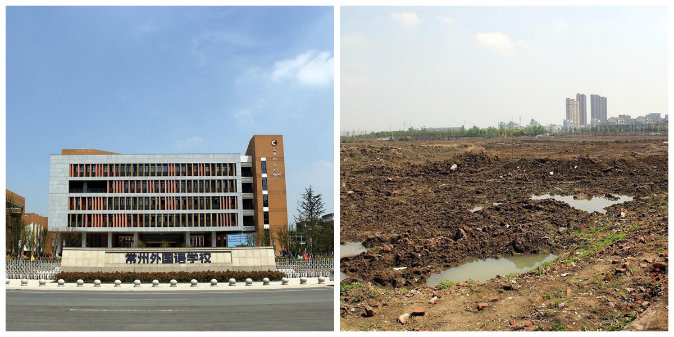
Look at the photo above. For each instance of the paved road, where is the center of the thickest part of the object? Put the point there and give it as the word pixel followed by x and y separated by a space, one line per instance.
pixel 288 309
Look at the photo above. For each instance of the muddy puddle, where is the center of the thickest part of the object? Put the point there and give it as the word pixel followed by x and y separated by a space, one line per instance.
pixel 485 269
pixel 351 249
pixel 596 204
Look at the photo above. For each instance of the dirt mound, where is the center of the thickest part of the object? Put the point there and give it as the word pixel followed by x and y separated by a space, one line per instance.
pixel 415 213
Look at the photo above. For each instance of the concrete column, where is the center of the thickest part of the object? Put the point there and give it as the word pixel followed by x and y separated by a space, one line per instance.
pixel 135 238
pixel 59 242
pixel 109 239
pixel 187 238
pixel 84 239
pixel 213 239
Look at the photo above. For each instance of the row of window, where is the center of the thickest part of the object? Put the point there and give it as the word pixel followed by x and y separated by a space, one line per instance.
pixel 151 203
pixel 265 198
pixel 150 170
pixel 153 220
pixel 153 186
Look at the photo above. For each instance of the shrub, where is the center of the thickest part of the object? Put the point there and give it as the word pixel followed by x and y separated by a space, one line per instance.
pixel 445 284
pixel 180 276
pixel 345 288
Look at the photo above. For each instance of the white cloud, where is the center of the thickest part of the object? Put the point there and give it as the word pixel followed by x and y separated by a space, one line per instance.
pixel 311 68
pixel 408 19
pixel 497 42
pixel 446 19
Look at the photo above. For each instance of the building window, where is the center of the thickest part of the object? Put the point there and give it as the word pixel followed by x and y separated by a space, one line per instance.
pixel 265 200
pixel 266 218
pixel 264 184
pixel 264 166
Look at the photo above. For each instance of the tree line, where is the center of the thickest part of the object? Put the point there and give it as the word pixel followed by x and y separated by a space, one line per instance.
pixel 502 132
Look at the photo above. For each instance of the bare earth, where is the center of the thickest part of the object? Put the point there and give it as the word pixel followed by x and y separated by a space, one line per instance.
pixel 406 204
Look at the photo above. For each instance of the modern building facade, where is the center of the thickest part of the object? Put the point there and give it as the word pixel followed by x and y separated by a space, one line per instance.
pixel 572 111
pixel 582 109
pixel 35 223
pixel 168 200
pixel 598 108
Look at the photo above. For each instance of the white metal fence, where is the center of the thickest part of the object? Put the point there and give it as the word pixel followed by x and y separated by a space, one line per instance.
pixel 36 270
pixel 32 270
pixel 313 267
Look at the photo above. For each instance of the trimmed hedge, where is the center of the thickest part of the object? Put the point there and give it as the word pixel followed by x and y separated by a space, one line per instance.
pixel 180 276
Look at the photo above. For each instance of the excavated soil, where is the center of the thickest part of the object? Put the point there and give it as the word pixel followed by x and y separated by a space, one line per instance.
pixel 410 202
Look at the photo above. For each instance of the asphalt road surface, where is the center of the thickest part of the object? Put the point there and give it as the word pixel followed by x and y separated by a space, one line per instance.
pixel 281 310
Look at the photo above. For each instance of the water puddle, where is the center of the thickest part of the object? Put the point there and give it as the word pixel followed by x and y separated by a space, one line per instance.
pixel 351 249
pixel 476 209
pixel 342 276
pixel 596 204
pixel 485 269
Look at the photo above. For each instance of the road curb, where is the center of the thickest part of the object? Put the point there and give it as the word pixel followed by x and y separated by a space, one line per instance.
pixel 15 284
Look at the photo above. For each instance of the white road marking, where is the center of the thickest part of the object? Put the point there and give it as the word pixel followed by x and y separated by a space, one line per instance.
pixel 116 310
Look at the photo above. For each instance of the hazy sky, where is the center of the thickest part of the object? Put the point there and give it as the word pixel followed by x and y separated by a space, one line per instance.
pixel 441 66
pixel 169 80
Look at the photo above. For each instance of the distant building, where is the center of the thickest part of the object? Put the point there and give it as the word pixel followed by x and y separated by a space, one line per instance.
pixel 624 119
pixel 598 108
pixel 572 111
pixel 582 109
pixel 653 118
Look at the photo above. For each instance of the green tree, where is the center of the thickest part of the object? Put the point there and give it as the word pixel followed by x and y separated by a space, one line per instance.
pixel 40 240
pixel 72 238
pixel 318 234
pixel 28 239
pixel 16 229
pixel 282 236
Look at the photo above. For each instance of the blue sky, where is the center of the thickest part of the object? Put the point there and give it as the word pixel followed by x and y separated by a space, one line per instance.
pixel 441 66
pixel 169 80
